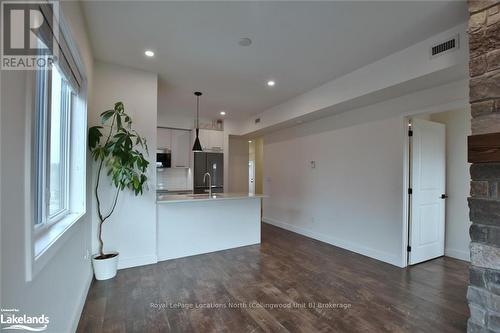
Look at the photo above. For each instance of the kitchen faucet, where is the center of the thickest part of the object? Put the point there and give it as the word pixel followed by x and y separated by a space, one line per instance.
pixel 209 183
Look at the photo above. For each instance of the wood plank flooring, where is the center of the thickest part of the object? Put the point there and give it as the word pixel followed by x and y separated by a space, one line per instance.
pixel 289 283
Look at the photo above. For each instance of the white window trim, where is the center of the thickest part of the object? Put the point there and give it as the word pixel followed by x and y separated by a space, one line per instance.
pixel 49 242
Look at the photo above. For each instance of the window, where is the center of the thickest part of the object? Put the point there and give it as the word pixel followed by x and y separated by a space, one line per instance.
pixel 58 147
pixel 54 104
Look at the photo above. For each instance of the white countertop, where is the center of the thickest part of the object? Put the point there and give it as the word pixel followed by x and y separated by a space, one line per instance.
pixel 173 198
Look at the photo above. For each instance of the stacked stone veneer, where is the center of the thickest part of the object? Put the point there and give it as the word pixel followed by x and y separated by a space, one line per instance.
pixel 484 288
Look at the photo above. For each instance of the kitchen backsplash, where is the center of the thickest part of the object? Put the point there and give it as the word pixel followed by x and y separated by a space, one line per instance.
pixel 174 179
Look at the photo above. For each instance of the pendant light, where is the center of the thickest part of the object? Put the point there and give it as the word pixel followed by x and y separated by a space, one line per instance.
pixel 197 145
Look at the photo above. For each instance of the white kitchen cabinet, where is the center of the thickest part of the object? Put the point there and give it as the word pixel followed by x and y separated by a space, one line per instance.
pixel 217 140
pixel 210 139
pixel 204 138
pixel 164 138
pixel 181 148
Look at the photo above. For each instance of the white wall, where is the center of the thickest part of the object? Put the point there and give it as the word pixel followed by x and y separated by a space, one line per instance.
pixel 1 186
pixel 237 165
pixel 60 288
pixel 230 128
pixel 458 127
pixel 352 199
pixel 131 230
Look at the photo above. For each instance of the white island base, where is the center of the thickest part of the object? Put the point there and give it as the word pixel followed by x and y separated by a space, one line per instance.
pixel 191 225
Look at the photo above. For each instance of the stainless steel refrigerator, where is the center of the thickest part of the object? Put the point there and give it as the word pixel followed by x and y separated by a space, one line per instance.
pixel 213 163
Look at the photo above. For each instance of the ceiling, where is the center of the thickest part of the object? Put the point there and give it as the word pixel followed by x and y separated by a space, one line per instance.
pixel 300 45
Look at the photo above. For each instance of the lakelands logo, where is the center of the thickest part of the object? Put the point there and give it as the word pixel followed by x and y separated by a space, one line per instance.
pixel 11 319
pixel 29 34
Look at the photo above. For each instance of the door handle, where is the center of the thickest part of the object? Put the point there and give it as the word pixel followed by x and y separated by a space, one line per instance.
pixel 444 196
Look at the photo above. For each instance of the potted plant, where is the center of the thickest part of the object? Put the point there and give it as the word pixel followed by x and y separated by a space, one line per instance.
pixel 119 151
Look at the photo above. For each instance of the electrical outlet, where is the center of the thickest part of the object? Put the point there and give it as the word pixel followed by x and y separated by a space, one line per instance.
pixel 87 254
pixel 313 164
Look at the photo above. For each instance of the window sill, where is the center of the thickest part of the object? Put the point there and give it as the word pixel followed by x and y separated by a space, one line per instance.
pixel 49 242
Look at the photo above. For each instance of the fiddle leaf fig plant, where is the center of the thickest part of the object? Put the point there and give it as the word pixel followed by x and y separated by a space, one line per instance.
pixel 119 150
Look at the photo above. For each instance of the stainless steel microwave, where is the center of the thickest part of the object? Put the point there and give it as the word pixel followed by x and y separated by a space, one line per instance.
pixel 163 158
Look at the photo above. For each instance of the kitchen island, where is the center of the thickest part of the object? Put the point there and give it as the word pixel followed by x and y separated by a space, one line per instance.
pixel 192 224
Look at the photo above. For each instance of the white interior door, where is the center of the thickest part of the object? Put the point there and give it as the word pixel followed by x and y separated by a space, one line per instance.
pixel 428 185
pixel 251 177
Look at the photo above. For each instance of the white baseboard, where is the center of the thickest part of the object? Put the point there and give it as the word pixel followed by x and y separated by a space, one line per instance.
pixel 83 299
pixel 369 252
pixel 457 254
pixel 136 261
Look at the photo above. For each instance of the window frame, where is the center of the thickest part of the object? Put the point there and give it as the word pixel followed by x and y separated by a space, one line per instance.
pixel 43 219
pixel 66 111
pixel 43 240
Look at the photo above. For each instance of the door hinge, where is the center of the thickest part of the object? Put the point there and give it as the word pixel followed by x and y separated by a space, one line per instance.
pixel 408 248
pixel 410 133
pixel 410 191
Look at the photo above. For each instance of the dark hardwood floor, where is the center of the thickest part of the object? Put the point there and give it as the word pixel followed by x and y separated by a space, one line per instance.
pixel 287 274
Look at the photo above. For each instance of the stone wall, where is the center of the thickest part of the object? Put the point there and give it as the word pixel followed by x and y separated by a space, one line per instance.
pixel 484 289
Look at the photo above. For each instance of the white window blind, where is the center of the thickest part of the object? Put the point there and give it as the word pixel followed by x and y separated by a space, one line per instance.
pixel 61 46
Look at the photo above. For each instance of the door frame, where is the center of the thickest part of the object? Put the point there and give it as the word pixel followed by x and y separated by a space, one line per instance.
pixel 406 185
pixel 407 161
pixel 461 103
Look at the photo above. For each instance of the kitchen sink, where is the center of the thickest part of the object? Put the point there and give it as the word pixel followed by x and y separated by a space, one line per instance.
pixel 205 195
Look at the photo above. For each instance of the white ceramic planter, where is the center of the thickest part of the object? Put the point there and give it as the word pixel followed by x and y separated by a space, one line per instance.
pixel 105 269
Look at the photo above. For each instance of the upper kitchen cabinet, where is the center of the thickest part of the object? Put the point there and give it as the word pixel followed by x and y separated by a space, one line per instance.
pixel 181 148
pixel 217 140
pixel 164 138
pixel 211 140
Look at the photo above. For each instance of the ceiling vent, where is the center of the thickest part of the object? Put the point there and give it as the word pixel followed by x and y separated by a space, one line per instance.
pixel 257 120
pixel 447 46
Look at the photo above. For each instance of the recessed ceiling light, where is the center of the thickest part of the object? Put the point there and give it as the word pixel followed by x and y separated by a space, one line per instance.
pixel 271 83
pixel 149 53
pixel 245 42
pixel 249 141
pixel 222 113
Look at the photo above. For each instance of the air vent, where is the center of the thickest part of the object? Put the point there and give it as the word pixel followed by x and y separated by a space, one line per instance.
pixel 447 46
pixel 257 120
